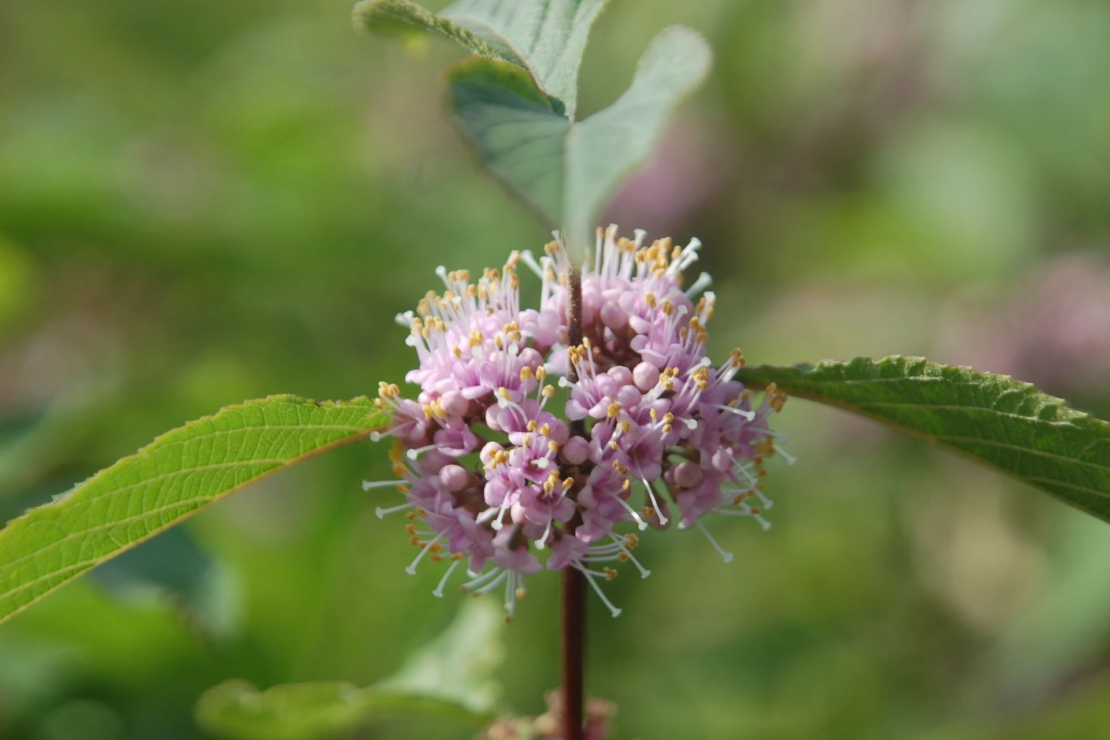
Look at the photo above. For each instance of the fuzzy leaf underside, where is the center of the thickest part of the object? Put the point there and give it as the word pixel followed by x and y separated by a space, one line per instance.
pixel 513 131
pixel 172 478
pixel 516 103
pixel 546 38
pixel 611 144
pixel 567 171
pixel 238 711
pixel 992 419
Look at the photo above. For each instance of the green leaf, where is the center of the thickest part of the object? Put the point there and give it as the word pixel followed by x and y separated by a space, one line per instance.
pixel 448 678
pixel 178 474
pixel 457 665
pixel 992 419
pixel 568 170
pixel 546 38
pixel 608 146
pixel 237 710
pixel 514 131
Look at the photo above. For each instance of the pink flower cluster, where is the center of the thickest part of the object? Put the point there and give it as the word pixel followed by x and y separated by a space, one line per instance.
pixel 645 430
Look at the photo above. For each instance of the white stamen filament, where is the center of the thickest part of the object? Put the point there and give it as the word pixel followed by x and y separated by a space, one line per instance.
pixel 654 502
pixel 716 546
pixel 479 579
pixel 703 282
pixel 411 570
pixel 438 593
pixel 639 522
pixel 369 485
pixel 415 452
pixel 749 415
pixel 542 541
pixel 590 575
pixel 382 513
pixel 494 583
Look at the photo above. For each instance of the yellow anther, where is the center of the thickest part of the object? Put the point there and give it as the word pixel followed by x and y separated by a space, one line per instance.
pixel 614 410
pixel 545 430
pixel 610 574
pixel 548 391
pixel 525 374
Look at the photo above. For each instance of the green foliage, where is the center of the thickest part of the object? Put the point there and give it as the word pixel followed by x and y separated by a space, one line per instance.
pixel 608 145
pixel 178 474
pixel 522 126
pixel 991 419
pixel 237 710
pixel 546 38
pixel 449 678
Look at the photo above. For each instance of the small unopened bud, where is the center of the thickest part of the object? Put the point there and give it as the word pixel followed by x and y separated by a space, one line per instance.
pixel 613 316
pixel 688 475
pixel 454 477
pixel 645 376
pixel 453 403
pixel 576 450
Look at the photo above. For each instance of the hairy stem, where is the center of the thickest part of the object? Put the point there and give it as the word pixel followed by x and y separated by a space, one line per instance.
pixel 574 582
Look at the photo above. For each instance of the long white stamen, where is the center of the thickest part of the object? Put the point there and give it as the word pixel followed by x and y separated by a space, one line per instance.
pixel 411 570
pixel 492 584
pixel 478 580
pixel 369 485
pixel 597 589
pixel 498 523
pixel 723 553
pixel 542 541
pixel 790 459
pixel 749 415
pixel 644 572
pixel 654 502
pixel 438 593
pixel 417 451
pixel 527 258
pixel 382 513
pixel 639 522
pixel 703 282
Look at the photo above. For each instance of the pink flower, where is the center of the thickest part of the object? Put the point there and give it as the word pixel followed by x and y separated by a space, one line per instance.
pixel 494 473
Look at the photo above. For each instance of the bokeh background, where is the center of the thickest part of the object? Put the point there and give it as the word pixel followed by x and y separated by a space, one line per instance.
pixel 203 201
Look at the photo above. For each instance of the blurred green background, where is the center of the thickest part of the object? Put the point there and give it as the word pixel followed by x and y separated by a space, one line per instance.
pixel 203 201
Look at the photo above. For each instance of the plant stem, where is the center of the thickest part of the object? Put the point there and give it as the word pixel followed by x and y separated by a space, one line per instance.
pixel 574 582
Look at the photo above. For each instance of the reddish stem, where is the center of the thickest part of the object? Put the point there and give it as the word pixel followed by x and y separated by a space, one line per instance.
pixel 574 583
